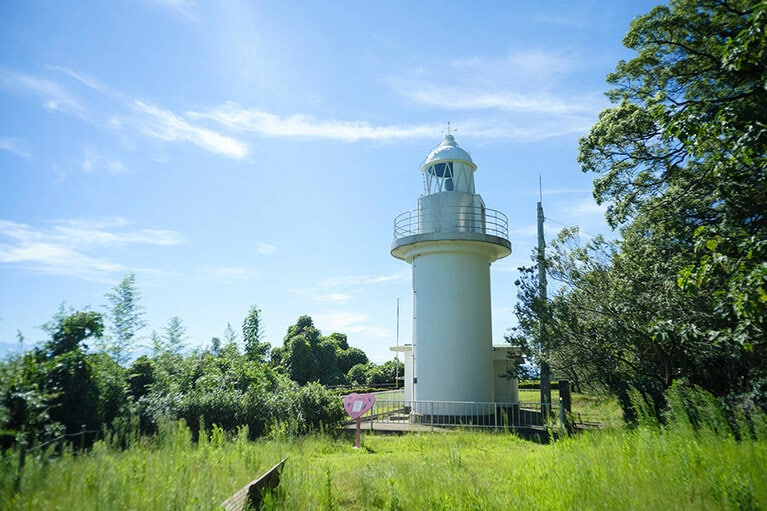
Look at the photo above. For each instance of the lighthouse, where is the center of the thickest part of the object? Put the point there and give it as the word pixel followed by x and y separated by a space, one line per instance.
pixel 450 240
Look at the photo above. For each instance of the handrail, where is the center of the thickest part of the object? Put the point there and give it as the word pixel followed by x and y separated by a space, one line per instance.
pixel 451 219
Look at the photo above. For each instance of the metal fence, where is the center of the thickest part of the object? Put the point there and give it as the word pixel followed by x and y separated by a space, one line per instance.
pixel 465 414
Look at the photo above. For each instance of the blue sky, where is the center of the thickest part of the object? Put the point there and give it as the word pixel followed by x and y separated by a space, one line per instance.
pixel 246 153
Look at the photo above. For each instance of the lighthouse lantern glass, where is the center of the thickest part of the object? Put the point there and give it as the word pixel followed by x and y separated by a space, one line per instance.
pixel 439 177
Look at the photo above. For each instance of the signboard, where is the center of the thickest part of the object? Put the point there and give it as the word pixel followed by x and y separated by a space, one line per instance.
pixel 356 405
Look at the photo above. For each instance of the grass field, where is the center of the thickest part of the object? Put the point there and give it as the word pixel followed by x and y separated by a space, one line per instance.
pixel 616 468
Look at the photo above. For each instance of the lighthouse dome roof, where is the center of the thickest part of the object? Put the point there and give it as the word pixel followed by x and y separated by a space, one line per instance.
pixel 448 150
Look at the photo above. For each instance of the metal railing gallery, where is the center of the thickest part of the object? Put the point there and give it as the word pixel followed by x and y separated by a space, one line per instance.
pixel 451 219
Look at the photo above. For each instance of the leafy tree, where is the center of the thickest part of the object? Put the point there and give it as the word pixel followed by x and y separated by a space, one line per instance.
pixel 686 148
pixel 230 334
pixel 126 318
pixel 301 363
pixel 175 335
pixel 306 355
pixel 681 163
pixel 350 357
pixel 69 329
pixel 385 374
pixel 66 373
pixel 297 355
pixel 215 346
pixel 359 374
pixel 23 410
pixel 375 375
pixel 252 334
pixel 140 377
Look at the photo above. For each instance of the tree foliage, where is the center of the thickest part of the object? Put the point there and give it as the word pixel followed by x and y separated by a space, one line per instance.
pixel 681 163
pixel 252 335
pixel 63 390
pixel 306 355
pixel 126 318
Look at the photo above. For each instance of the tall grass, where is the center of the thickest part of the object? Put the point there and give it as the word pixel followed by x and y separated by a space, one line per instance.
pixel 700 459
pixel 167 472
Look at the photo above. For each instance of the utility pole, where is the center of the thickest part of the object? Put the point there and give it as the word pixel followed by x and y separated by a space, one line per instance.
pixel 544 344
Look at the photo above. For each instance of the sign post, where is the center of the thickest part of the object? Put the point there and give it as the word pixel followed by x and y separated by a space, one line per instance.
pixel 356 405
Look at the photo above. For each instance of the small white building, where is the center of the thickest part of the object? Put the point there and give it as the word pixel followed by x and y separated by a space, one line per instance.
pixel 450 241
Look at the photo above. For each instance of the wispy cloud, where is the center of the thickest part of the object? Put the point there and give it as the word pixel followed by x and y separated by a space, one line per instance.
pixel 524 94
pixel 122 113
pixel 238 118
pixel 93 162
pixel 70 247
pixel 16 146
pixel 180 8
pixel 464 98
pixel 54 96
pixel 342 289
pixel 233 274
pixel 265 249
pixel 358 280
pixel 524 101
pixel 166 125
pixel 351 323
pixel 323 296
pixel 85 79
pixel 585 208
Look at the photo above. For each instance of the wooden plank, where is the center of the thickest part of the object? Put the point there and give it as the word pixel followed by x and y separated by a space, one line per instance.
pixel 251 495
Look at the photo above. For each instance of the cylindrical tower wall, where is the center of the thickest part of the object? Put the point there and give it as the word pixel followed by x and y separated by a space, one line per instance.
pixel 453 336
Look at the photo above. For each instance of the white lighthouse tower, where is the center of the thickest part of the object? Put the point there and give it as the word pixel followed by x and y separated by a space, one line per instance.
pixel 450 240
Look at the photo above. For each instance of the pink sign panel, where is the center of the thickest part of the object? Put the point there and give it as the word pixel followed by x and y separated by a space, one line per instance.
pixel 357 404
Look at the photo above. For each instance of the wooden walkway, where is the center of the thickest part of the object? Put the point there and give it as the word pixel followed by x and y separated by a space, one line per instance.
pixel 397 427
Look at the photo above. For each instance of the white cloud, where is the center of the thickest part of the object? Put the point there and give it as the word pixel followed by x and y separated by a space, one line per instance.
pixel 54 96
pixel 93 162
pixel 126 113
pixel 342 289
pixel 525 95
pixel 583 211
pixel 356 280
pixel 265 249
pixel 180 8
pixel 465 98
pixel 529 231
pixel 16 146
pixel 235 274
pixel 70 247
pixel 316 295
pixel 235 117
pixel 351 323
pixel 166 125
pixel 85 79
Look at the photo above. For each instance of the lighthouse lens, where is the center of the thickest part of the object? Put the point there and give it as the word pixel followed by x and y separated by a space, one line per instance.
pixel 444 174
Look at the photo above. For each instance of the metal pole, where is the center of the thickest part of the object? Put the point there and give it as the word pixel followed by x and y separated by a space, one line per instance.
pixel 357 436
pixel 561 417
pixel 542 295
pixel 396 356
